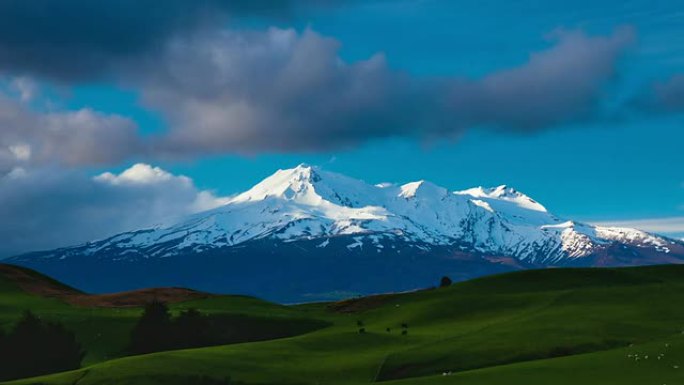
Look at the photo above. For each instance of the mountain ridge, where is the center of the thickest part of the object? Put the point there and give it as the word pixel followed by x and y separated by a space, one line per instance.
pixel 306 210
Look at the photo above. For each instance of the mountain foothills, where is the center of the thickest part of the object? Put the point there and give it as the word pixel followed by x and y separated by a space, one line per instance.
pixel 306 234
pixel 512 329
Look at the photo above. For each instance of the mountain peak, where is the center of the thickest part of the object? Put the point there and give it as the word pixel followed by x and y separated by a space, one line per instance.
pixel 287 183
pixel 505 193
pixel 309 185
pixel 304 173
pixel 304 168
pixel 303 215
pixel 422 188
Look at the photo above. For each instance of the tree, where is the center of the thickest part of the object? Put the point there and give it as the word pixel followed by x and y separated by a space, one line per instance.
pixel 65 352
pixel 4 351
pixel 191 329
pixel 152 333
pixel 445 282
pixel 35 347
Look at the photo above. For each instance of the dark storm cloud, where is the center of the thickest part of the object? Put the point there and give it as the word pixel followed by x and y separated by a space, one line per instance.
pixel 80 39
pixel 274 90
pixel 279 90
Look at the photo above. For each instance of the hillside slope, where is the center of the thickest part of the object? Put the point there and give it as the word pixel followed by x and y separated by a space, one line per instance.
pixel 528 327
pixel 32 282
pixel 103 323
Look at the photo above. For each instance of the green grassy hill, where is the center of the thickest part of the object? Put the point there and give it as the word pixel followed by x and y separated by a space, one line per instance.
pixel 104 327
pixel 564 326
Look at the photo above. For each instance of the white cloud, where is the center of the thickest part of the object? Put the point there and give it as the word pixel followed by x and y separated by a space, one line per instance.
pixel 25 87
pixel 141 173
pixel 21 151
pixel 206 200
pixel 31 137
pixel 17 172
pixel 666 225
pixel 47 208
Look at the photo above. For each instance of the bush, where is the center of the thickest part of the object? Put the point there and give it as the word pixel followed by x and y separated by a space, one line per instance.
pixel 445 282
pixel 35 347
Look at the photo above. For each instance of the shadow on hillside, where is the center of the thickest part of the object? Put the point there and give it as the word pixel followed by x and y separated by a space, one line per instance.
pixel 157 330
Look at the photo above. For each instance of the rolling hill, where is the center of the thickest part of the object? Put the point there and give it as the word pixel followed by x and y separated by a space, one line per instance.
pixel 102 323
pixel 555 326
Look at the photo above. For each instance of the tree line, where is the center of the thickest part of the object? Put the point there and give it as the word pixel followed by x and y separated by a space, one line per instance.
pixel 34 347
pixel 157 330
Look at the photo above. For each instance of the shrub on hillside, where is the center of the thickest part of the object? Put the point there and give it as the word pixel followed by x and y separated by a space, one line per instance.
pixel 445 282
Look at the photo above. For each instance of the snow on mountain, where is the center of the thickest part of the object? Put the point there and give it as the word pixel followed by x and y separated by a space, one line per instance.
pixel 305 234
pixel 306 203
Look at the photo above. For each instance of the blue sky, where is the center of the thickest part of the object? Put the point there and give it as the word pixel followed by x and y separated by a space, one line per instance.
pixel 615 165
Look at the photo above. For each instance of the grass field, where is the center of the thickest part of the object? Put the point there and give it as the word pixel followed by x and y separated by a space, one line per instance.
pixel 563 326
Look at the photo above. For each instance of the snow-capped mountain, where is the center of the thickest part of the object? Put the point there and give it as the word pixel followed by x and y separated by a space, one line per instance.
pixel 303 213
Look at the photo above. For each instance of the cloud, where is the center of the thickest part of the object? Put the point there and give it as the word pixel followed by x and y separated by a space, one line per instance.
pixel 46 208
pixel 67 137
pixel 25 87
pixel 667 225
pixel 663 97
pixel 142 174
pixel 273 91
pixel 562 84
pixel 280 91
pixel 75 40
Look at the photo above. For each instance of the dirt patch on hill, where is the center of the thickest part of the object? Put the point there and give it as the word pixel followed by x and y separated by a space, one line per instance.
pixel 356 305
pixel 137 298
pixel 44 286
pixel 35 283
